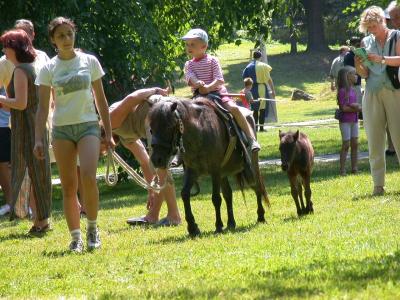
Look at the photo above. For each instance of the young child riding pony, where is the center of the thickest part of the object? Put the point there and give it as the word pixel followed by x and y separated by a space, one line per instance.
pixel 204 75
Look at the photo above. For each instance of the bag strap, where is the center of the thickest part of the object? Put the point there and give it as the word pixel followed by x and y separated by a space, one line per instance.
pixel 393 39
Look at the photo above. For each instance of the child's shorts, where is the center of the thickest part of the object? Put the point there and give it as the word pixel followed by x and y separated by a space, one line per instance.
pixel 5 144
pixel 349 130
pixel 75 132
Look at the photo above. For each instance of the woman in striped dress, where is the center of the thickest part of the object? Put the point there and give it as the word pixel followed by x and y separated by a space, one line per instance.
pixel 23 102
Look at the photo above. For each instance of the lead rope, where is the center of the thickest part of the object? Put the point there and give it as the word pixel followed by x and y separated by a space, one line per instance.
pixel 113 157
pixel 113 179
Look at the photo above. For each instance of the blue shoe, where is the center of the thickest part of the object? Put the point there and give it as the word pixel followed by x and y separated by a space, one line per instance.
pixel 165 222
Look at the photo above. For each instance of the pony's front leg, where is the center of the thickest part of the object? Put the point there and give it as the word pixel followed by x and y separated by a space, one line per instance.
pixel 293 190
pixel 188 180
pixel 300 195
pixel 227 193
pixel 307 193
pixel 216 199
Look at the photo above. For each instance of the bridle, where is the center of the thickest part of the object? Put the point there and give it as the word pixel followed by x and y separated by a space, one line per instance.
pixel 176 143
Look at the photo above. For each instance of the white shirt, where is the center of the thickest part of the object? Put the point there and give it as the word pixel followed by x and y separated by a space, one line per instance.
pixel 7 67
pixel 6 71
pixel 71 80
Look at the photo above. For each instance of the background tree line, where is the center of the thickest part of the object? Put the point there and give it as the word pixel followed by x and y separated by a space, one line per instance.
pixel 138 42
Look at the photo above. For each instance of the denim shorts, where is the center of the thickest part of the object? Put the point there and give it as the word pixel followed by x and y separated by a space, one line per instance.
pixel 75 132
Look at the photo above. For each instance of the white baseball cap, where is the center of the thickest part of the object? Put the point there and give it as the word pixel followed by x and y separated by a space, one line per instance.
pixel 196 33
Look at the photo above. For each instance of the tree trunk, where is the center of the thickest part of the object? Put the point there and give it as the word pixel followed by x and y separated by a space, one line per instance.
pixel 293 41
pixel 315 25
pixel 263 49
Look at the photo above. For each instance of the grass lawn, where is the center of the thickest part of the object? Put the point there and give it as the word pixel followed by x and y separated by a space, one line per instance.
pixel 348 249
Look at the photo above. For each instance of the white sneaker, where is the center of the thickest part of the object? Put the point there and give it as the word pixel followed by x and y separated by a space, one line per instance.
pixel 93 239
pixel 76 246
pixel 5 209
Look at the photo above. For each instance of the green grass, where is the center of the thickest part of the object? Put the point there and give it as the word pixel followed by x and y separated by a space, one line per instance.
pixel 349 249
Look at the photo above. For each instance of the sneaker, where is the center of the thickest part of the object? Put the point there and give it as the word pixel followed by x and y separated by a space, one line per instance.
pixel 76 246
pixel 255 146
pixel 138 221
pixel 93 239
pixel 5 209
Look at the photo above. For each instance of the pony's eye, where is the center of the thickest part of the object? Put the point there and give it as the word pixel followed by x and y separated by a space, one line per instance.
pixel 151 131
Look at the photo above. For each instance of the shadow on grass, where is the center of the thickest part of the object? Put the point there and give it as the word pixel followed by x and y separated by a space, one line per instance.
pixel 315 279
pixel 345 274
pixel 204 235
pixel 393 195
pixel 18 236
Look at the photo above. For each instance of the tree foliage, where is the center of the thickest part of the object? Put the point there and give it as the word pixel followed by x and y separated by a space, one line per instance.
pixel 356 8
pixel 138 41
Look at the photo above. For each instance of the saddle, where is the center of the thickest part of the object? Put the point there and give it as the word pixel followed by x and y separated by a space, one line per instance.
pixel 234 131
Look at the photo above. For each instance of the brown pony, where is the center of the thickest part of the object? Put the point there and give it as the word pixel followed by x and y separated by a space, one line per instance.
pixel 297 156
pixel 195 128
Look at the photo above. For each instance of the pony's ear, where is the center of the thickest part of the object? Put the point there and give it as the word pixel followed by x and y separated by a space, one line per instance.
pixel 281 134
pixel 296 135
pixel 174 106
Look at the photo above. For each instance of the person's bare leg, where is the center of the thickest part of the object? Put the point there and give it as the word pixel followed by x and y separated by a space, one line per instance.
pixel 154 201
pixel 89 150
pixel 80 190
pixel 343 156
pixel 65 153
pixel 5 181
pixel 354 155
pixel 170 198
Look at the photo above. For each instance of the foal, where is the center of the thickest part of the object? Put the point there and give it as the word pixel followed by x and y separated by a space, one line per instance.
pixel 297 156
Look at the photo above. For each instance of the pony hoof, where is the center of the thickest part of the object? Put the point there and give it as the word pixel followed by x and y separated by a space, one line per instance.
pixel 194 232
pixel 219 230
pixel 231 227
pixel 261 220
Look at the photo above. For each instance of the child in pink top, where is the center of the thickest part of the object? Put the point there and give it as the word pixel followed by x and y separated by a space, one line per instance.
pixel 204 75
pixel 246 97
pixel 348 123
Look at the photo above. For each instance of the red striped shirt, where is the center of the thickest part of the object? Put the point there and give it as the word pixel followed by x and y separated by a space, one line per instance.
pixel 206 69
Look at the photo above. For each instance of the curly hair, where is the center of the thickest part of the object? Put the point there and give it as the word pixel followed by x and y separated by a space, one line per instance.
pixel 373 14
pixel 19 41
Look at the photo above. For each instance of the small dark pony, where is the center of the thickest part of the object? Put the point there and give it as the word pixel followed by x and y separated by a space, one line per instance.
pixel 297 156
pixel 194 126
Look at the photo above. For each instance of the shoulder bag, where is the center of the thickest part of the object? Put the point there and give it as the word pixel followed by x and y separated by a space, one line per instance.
pixel 393 72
